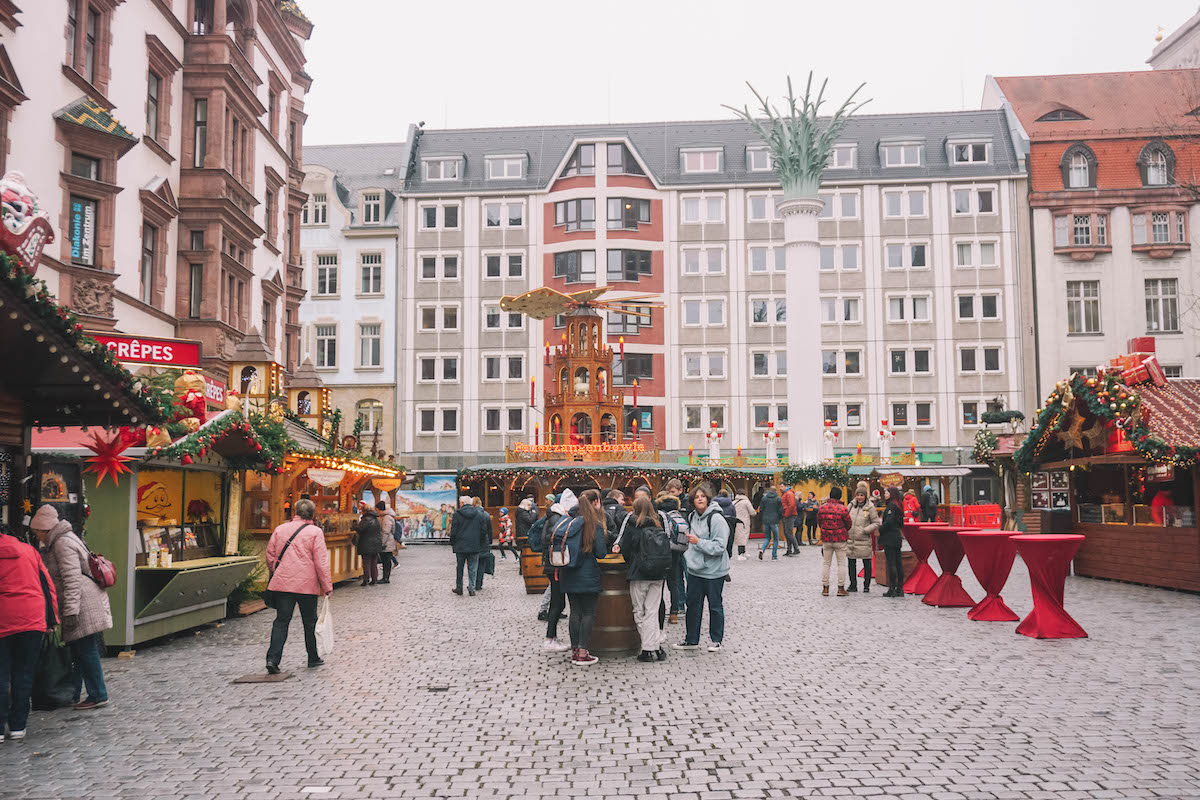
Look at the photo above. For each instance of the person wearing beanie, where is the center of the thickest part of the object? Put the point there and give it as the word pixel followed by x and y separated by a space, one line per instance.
pixel 83 604
pixel 835 523
pixel 508 537
pixel 864 522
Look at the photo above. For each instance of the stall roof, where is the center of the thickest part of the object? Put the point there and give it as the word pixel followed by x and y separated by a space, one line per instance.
pixel 603 467
pixel 918 472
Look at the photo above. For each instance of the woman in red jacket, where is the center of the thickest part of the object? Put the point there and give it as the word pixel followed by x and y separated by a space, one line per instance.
pixel 28 606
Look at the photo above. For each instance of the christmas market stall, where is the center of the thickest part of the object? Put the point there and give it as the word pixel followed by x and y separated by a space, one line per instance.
pixel 1113 457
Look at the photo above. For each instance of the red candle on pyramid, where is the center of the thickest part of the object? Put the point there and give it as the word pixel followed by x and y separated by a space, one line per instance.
pixel 622 341
pixel 635 388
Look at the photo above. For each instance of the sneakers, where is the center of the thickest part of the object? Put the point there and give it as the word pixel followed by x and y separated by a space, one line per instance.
pixel 459 592
pixel 866 588
pixel 741 558
pixel 313 663
pixel 582 658
pixel 760 552
pixel 673 619
pixel 715 647
pixel 16 736
pixel 272 669
pixel 824 591
pixel 842 592
pixel 470 592
pixel 88 705
pixel 661 654
pixel 646 657
pixel 554 646
pixel 686 646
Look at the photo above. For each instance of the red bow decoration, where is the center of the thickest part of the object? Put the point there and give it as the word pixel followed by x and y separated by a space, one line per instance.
pixel 108 459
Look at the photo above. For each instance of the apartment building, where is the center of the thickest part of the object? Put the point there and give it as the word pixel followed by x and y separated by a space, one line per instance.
pixel 1114 199
pixel 164 137
pixel 350 235
pixel 920 279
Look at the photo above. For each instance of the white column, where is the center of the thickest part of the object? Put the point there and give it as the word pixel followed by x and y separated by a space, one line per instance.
pixel 805 413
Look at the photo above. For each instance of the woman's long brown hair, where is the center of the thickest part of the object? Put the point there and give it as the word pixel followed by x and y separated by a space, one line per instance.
pixel 591 518
pixel 644 509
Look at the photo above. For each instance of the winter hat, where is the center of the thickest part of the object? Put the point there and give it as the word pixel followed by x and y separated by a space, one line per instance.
pixel 863 488
pixel 45 518
pixel 504 511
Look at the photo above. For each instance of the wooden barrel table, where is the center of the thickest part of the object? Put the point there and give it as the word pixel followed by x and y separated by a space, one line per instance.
pixel 531 571
pixel 614 633
pixel 908 562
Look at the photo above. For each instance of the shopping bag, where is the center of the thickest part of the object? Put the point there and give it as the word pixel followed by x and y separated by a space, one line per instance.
pixel 52 684
pixel 325 628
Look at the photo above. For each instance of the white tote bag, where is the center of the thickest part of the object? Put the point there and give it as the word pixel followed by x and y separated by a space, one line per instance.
pixel 325 628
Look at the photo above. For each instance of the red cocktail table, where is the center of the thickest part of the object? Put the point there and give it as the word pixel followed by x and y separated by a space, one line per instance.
pixel 991 555
pixel 917 535
pixel 1048 557
pixel 948 591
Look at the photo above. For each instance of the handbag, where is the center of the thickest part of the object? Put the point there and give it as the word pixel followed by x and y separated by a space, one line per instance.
pixel 269 596
pixel 560 558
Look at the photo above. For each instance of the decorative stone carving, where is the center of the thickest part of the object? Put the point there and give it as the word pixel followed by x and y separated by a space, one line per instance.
pixel 92 297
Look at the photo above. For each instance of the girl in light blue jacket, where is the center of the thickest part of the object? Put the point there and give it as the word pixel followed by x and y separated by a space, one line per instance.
pixel 707 562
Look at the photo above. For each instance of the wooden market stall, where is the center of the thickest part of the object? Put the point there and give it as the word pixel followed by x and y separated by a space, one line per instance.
pixel 1113 457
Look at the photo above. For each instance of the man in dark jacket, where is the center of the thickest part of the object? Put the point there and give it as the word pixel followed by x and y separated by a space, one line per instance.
pixel 808 509
pixel 369 541
pixel 470 535
pixel 671 500
pixel 770 511
pixel 929 505
pixel 615 514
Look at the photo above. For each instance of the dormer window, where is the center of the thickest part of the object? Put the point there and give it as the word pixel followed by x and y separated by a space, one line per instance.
pixel 505 167
pixel 700 161
pixel 758 159
pixel 582 161
pixel 1061 115
pixel 843 156
pixel 1079 167
pixel 902 154
pixel 970 152
pixel 622 162
pixel 443 169
pixel 1156 163
pixel 372 207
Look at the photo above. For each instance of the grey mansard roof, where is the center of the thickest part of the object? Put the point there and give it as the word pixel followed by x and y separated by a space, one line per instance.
pixel 362 166
pixel 657 146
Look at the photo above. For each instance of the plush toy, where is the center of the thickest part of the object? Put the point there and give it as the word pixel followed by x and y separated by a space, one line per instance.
pixel 233 401
pixel 189 389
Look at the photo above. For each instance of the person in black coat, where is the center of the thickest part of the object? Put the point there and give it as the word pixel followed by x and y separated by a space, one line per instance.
pixel 470 535
pixel 671 499
pixel 613 504
pixel 526 515
pixel 889 539
pixel 369 540
pixel 647 571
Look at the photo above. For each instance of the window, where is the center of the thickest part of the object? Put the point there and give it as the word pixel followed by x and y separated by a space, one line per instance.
pixel 843 156
pixel 1061 115
pixel 622 162
pixel 373 208
pixel 758 159
pixel 908 308
pixel 491 318
pixel 448 214
pixel 195 290
pixel 576 215
pixel 763 362
pixel 91 34
pixel 904 154
pixel 582 161
pixel 635 366
pixel 1156 169
pixel 966 360
pixel 763 207
pixel 146 288
pixel 442 169
pixel 1162 305
pixel 429 316
pixel 924 415
pixel 1087 230
pixel 763 257
pixel 699 208
pixel 839 205
pixel 371 414
pixel 199 132
pixel 509 214
pixel 974 200
pixel 849 361
pixel 326 345
pixel 900 361
pixel 710 259
pixel 439 419
pixel 575 266
pixel 628 265
pixel 900 415
pixel 698 313
pixel 626 213
pixel 1083 306
pixel 502 167
pixel 1172 370
pixel 320 206
pixel 494 265
pixel 1157 164
pixel 629 323
pixel 327 274
pixel 991 359
pixel 370 267
pixel 971 153
pixel 448 271
pixel 840 309
pixel 971 410
pixel 906 255
pixel 504 367
pixel 704 365
pixel 370 343
pixel 853 415
pixel 900 204
pixel 153 88
pixel 700 418
pixel 700 161
pixel 1078 167
pixel 429 368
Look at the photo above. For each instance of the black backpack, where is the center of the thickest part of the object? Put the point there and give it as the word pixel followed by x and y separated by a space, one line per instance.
pixel 732 521
pixel 654 552
pixel 534 534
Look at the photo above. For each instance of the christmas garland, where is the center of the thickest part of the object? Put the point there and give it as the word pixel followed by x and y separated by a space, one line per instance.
pixel 335 426
pixel 985 446
pixel 264 436
pixel 154 407
pixel 347 454
pixel 825 474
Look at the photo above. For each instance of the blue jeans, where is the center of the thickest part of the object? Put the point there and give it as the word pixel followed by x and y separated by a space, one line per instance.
pixel 771 537
pixel 86 669
pixel 474 579
pixel 675 583
pixel 18 660
pixel 700 589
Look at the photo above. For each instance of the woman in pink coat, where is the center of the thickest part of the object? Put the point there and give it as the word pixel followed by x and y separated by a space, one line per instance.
pixel 299 575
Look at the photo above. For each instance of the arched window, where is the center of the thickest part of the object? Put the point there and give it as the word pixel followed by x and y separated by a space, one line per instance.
pixel 246 381
pixel 1079 167
pixel 1156 162
pixel 371 413
pixel 303 403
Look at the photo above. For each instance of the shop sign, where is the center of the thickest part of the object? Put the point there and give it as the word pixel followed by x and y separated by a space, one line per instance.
pixel 386 484
pixel 326 477
pixel 579 449
pixel 214 392
pixel 889 479
pixel 177 353
pixel 83 230
pixel 1160 473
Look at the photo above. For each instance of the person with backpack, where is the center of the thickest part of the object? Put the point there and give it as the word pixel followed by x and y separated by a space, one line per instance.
pixel 771 509
pixel 558 515
pixel 298 565
pixel 707 565
pixel 731 518
pixel 647 551
pixel 741 534
pixel 929 505
pixel 575 546
pixel 83 604
pixel 670 506
pixel 28 608
pixel 890 541
pixel 790 518
pixel 809 511
pixel 835 523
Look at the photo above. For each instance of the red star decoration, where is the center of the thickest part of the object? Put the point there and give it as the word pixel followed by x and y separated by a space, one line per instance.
pixel 108 459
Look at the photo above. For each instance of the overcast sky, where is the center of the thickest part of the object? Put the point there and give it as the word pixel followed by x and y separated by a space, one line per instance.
pixel 378 65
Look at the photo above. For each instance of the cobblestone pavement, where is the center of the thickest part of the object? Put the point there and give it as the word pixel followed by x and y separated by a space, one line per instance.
pixel 813 697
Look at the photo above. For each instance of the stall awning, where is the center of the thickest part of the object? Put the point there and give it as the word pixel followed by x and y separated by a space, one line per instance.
pixel 917 472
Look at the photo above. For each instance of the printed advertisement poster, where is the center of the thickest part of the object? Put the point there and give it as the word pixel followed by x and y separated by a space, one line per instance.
pixel 425 513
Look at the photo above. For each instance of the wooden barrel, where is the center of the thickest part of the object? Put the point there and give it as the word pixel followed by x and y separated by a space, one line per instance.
pixel 908 562
pixel 531 571
pixel 614 633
